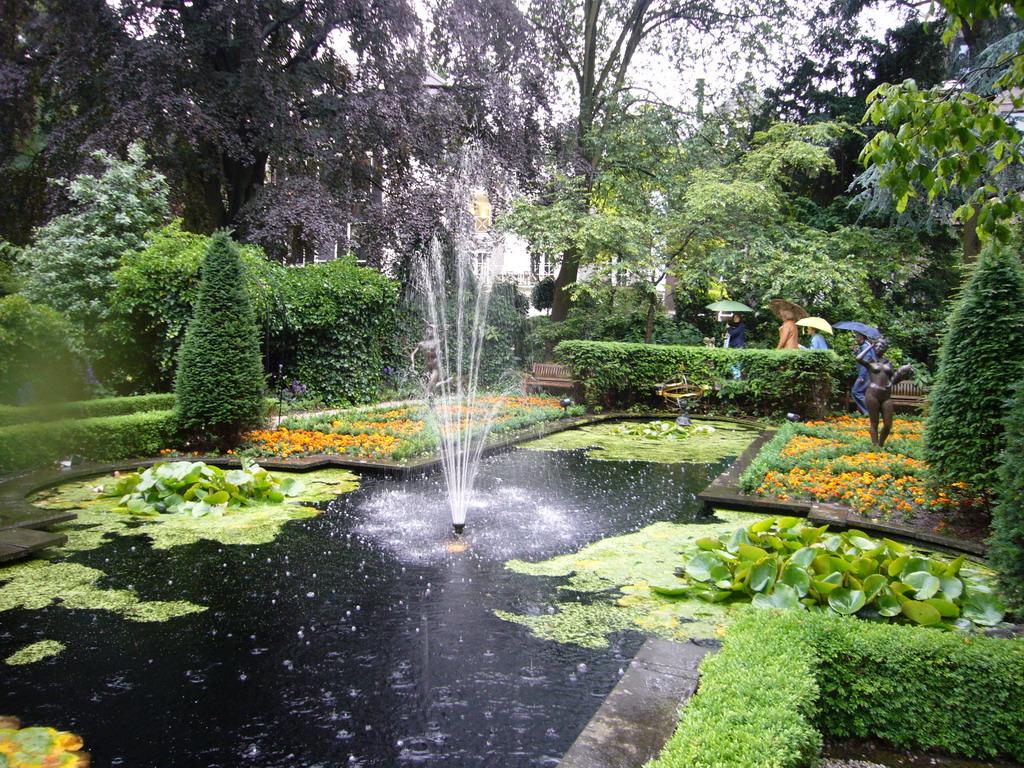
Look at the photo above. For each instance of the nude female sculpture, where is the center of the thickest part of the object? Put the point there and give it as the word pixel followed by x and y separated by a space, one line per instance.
pixel 881 379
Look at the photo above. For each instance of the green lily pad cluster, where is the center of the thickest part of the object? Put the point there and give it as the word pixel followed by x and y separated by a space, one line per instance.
pixel 197 489
pixel 776 563
pixel 663 430
pixel 29 747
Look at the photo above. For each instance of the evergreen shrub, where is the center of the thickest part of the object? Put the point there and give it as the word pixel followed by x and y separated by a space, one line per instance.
pixel 784 679
pixel 773 381
pixel 978 364
pixel 85 409
pixel 331 326
pixel 108 438
pixel 220 382
pixel 1006 547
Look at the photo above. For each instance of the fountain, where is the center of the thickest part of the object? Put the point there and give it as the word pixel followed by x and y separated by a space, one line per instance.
pixel 455 300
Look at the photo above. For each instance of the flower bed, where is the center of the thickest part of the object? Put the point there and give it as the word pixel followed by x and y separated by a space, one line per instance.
pixel 390 433
pixel 833 461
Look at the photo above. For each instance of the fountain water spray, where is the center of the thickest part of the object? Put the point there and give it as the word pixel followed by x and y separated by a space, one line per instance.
pixel 455 288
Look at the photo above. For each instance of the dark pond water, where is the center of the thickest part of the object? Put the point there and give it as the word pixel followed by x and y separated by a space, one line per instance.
pixel 357 638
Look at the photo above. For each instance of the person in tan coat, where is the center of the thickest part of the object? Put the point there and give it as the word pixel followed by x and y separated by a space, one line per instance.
pixel 789 334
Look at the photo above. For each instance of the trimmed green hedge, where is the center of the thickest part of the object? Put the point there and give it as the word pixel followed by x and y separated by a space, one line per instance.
pixel 756 703
pixel 108 438
pixel 85 409
pixel 781 678
pixel 619 375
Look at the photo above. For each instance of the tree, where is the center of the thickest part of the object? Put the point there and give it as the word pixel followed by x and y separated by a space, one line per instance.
pixel 959 138
pixel 71 261
pixel 977 367
pixel 1006 547
pixel 598 43
pixel 220 382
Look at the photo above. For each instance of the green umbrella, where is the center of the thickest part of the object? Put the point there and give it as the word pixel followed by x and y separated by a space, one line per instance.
pixel 729 306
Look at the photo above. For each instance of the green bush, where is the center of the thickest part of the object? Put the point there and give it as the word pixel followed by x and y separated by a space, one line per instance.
pixel 756 703
pixel 328 326
pixel 781 678
pixel 220 382
pixel 978 364
pixel 774 381
pixel 37 362
pixel 85 409
pixel 1006 547
pixel 108 438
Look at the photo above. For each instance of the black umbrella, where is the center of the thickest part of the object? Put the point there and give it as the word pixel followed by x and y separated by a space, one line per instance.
pixel 862 328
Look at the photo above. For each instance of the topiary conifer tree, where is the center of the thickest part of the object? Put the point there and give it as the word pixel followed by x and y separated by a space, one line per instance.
pixel 1006 547
pixel 220 381
pixel 979 362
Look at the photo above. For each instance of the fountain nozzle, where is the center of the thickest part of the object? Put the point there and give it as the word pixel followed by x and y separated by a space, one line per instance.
pixel 459 528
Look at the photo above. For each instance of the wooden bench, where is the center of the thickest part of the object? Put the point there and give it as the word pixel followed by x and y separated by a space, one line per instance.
pixel 548 376
pixel 908 393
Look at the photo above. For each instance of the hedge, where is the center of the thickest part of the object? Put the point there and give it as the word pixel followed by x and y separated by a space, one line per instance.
pixel 783 680
pixel 756 703
pixel 85 409
pixel 619 375
pixel 107 438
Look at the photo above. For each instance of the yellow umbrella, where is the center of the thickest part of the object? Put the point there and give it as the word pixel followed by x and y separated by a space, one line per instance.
pixel 816 322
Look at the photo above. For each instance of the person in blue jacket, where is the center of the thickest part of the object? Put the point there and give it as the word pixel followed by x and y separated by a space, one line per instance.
pixel 818 340
pixel 737 334
pixel 864 352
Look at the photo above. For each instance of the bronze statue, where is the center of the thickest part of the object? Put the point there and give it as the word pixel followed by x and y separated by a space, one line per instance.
pixel 881 379
pixel 431 349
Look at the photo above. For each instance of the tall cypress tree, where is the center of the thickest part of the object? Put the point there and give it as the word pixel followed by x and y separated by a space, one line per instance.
pixel 220 381
pixel 980 360
pixel 1006 547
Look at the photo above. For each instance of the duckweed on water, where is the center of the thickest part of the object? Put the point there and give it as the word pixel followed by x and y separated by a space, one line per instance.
pixel 36 584
pixel 623 568
pixel 606 444
pixel 35 652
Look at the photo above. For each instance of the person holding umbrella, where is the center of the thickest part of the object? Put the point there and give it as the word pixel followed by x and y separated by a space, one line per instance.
pixel 788 313
pixel 736 336
pixel 861 333
pixel 816 325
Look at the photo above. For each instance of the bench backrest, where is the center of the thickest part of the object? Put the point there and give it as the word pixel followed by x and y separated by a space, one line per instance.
pixel 908 389
pixel 551 371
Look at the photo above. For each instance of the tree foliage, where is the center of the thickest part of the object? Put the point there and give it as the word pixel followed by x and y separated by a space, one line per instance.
pixel 71 261
pixel 220 382
pixel 978 365
pixel 1006 547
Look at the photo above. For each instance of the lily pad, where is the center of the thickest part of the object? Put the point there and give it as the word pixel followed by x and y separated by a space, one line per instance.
pixel 602 443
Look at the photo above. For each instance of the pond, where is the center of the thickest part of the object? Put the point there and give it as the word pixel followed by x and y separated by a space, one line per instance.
pixel 364 636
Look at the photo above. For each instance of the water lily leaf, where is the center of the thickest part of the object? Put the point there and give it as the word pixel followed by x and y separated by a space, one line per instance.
pixel 921 613
pixel 888 605
pixel 873 585
pixel 722 576
pixel 699 566
pixel 811 535
pixel 797 578
pixel 708 543
pixel 763 573
pixel 982 609
pixel 802 558
pixel 784 597
pixel 946 609
pixel 220 497
pixel 839 564
pixel 953 568
pixel 833 543
pixel 895 546
pixel 670 590
pixel 291 486
pixel 914 565
pixel 237 477
pixel 950 587
pixel 863 567
pixel 750 552
pixel 896 566
pixel 739 536
pixel 762 525
pixel 830 582
pixel 785 523
pixel 846 601
pixel 822 565
pixel 923 583
pixel 864 543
